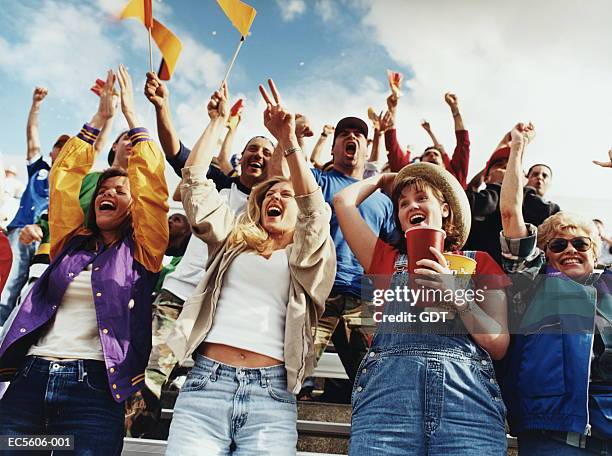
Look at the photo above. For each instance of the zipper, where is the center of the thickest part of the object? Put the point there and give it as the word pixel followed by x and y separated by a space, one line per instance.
pixel 587 428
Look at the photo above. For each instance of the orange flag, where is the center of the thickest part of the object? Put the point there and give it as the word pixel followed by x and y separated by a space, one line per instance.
pixel 167 42
pixel 240 14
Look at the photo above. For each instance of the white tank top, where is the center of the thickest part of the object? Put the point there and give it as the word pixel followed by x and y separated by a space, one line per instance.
pixel 252 304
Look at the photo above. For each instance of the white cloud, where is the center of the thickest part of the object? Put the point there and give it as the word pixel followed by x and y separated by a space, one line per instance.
pixel 327 9
pixel 81 52
pixel 291 9
pixel 545 61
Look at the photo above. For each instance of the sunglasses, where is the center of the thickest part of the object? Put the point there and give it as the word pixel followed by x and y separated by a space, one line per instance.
pixel 558 245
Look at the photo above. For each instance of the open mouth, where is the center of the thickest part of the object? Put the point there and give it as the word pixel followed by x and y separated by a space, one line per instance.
pixel 350 148
pixel 415 219
pixel 274 211
pixel 256 165
pixel 107 206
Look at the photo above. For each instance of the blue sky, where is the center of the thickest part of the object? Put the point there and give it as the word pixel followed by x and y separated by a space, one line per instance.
pixel 545 61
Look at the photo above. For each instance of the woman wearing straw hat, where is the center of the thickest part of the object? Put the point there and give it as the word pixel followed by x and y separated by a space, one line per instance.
pixel 427 388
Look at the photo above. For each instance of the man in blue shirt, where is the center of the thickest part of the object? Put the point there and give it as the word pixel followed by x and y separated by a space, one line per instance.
pixel 34 202
pixel 349 150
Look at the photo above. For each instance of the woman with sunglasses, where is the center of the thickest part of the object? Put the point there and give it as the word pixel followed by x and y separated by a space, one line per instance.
pixel 558 385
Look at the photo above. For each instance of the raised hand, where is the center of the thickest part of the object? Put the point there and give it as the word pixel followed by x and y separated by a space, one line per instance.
pixel 386 122
pixel 328 130
pixel 108 97
pixel 39 95
pixel 218 105
pixel 302 126
pixel 277 120
pixel 127 96
pixel 156 91
pixel 522 134
pixel 605 164
pixel 392 101
pixel 425 125
pixel 451 100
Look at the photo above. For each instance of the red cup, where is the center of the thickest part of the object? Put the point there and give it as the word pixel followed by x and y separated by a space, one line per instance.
pixel 418 241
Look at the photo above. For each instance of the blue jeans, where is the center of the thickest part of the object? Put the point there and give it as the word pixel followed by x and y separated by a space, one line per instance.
pixel 426 395
pixel 64 398
pixel 225 410
pixel 535 443
pixel 22 257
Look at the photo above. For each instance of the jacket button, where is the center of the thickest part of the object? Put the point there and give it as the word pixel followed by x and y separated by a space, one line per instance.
pixel 98 294
pixel 105 331
pixel 70 274
pixel 112 370
pixel 22 330
pixel 131 304
pixel 97 268
pixel 114 386
pixel 359 389
pixel 117 396
pixel 492 380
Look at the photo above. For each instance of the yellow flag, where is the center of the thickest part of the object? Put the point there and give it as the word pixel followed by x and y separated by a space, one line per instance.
pixel 240 14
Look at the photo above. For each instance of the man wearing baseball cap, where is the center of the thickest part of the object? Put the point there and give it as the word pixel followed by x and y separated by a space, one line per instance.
pixel 34 201
pixel 349 151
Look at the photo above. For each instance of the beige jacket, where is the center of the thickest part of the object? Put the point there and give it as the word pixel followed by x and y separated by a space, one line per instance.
pixel 312 264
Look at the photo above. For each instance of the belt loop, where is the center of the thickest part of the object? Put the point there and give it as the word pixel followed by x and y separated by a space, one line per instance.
pixel 213 372
pixel 263 377
pixel 82 371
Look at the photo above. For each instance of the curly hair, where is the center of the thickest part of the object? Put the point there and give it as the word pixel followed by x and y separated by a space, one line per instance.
pixel 564 222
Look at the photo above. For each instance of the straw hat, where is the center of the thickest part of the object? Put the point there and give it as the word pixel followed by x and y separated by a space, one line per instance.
pixel 450 187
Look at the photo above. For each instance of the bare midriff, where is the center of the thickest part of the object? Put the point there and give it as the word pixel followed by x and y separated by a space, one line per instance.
pixel 237 357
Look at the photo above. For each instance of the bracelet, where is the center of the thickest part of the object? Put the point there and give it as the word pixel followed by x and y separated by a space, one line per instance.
pixel 291 151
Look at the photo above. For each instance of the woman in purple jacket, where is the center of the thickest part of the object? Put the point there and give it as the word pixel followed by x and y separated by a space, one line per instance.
pixel 80 342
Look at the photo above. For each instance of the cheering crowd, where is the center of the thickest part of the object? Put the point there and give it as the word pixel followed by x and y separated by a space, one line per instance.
pixel 105 293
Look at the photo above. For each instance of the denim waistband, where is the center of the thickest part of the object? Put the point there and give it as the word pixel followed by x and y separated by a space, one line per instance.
pixel 461 346
pixel 253 373
pixel 77 366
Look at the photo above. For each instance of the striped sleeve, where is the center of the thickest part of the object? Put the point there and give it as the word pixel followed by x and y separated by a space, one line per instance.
pixel 138 135
pixel 88 134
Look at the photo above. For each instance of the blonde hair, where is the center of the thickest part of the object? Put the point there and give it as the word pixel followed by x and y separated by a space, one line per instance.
pixel 248 229
pixel 563 222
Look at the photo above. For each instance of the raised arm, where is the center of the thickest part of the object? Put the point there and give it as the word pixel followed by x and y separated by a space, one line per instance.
pixel 427 127
pixel 315 156
pixel 210 217
pixel 396 156
pixel 511 204
pixel 281 124
pixel 70 168
pixel 460 162
pixel 32 128
pixel 159 96
pixel 312 261
pixel 226 150
pixel 148 187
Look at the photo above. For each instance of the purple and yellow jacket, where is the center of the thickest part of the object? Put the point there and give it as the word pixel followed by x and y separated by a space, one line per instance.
pixel 123 274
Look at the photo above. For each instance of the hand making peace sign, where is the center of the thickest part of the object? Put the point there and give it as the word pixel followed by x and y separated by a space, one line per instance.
pixel 280 122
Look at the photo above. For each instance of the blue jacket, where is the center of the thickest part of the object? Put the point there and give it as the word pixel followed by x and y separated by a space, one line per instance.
pixel 547 384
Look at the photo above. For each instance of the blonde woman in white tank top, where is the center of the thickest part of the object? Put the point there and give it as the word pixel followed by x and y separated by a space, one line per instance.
pixel 249 321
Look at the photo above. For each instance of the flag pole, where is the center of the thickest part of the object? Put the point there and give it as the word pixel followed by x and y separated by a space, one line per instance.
pixel 150 52
pixel 229 68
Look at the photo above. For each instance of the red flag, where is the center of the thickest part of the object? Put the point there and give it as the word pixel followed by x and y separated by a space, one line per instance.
pixel 148 14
